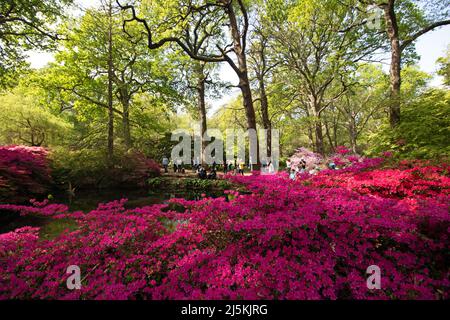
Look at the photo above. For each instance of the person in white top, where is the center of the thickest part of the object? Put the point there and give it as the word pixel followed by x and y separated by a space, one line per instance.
pixel 271 167
pixel 165 163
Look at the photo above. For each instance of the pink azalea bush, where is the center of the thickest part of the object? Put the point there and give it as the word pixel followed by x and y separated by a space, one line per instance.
pixel 312 159
pixel 343 158
pixel 303 239
pixel 342 150
pixel 24 171
pixel 412 183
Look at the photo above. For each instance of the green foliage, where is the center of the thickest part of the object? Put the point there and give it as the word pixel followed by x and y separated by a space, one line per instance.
pixel 444 67
pixel 424 129
pixel 188 184
pixel 87 168
pixel 317 81
pixel 55 227
pixel 24 25
pixel 79 168
pixel 26 118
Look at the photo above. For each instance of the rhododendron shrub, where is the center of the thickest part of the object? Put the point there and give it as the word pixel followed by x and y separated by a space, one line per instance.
pixel 286 240
pixel 343 158
pixel 312 159
pixel 135 168
pixel 24 172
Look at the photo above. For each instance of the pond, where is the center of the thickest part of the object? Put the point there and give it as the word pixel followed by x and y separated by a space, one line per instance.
pixel 87 201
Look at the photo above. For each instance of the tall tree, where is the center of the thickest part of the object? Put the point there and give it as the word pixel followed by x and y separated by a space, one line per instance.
pixel 405 21
pixel 361 103
pixel 200 79
pixel 201 75
pixel 101 68
pixel 319 42
pixel 261 65
pixel 109 11
pixel 188 19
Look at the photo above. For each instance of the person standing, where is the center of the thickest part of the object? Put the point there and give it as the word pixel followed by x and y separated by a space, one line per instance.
pixel 288 165
pixel 271 168
pixel 303 164
pixel 165 163
pixel 181 167
pixel 292 174
pixel 241 168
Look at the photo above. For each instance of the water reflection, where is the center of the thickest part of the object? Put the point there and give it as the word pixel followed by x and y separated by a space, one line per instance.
pixel 87 201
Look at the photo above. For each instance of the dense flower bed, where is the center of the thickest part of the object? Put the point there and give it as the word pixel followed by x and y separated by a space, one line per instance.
pixel 24 171
pixel 286 240
pixel 393 183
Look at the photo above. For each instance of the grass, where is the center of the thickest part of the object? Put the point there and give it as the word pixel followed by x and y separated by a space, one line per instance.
pixel 55 227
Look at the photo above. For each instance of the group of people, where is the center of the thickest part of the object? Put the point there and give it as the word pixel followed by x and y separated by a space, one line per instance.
pixel 236 167
pixel 302 168
pixel 227 167
pixel 203 174
pixel 178 165
pixel 268 167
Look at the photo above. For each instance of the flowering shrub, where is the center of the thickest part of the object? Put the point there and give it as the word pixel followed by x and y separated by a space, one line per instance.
pixel 39 208
pixel 24 171
pixel 134 168
pixel 286 240
pixel 342 150
pixel 428 181
pixel 312 159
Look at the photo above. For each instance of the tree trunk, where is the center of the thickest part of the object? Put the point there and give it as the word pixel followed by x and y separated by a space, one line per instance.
pixel 352 134
pixel 395 69
pixel 309 128
pixel 319 137
pixel 327 133
pixel 311 136
pixel 201 103
pixel 335 132
pixel 267 124
pixel 319 148
pixel 110 93
pixel 126 123
pixel 244 83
